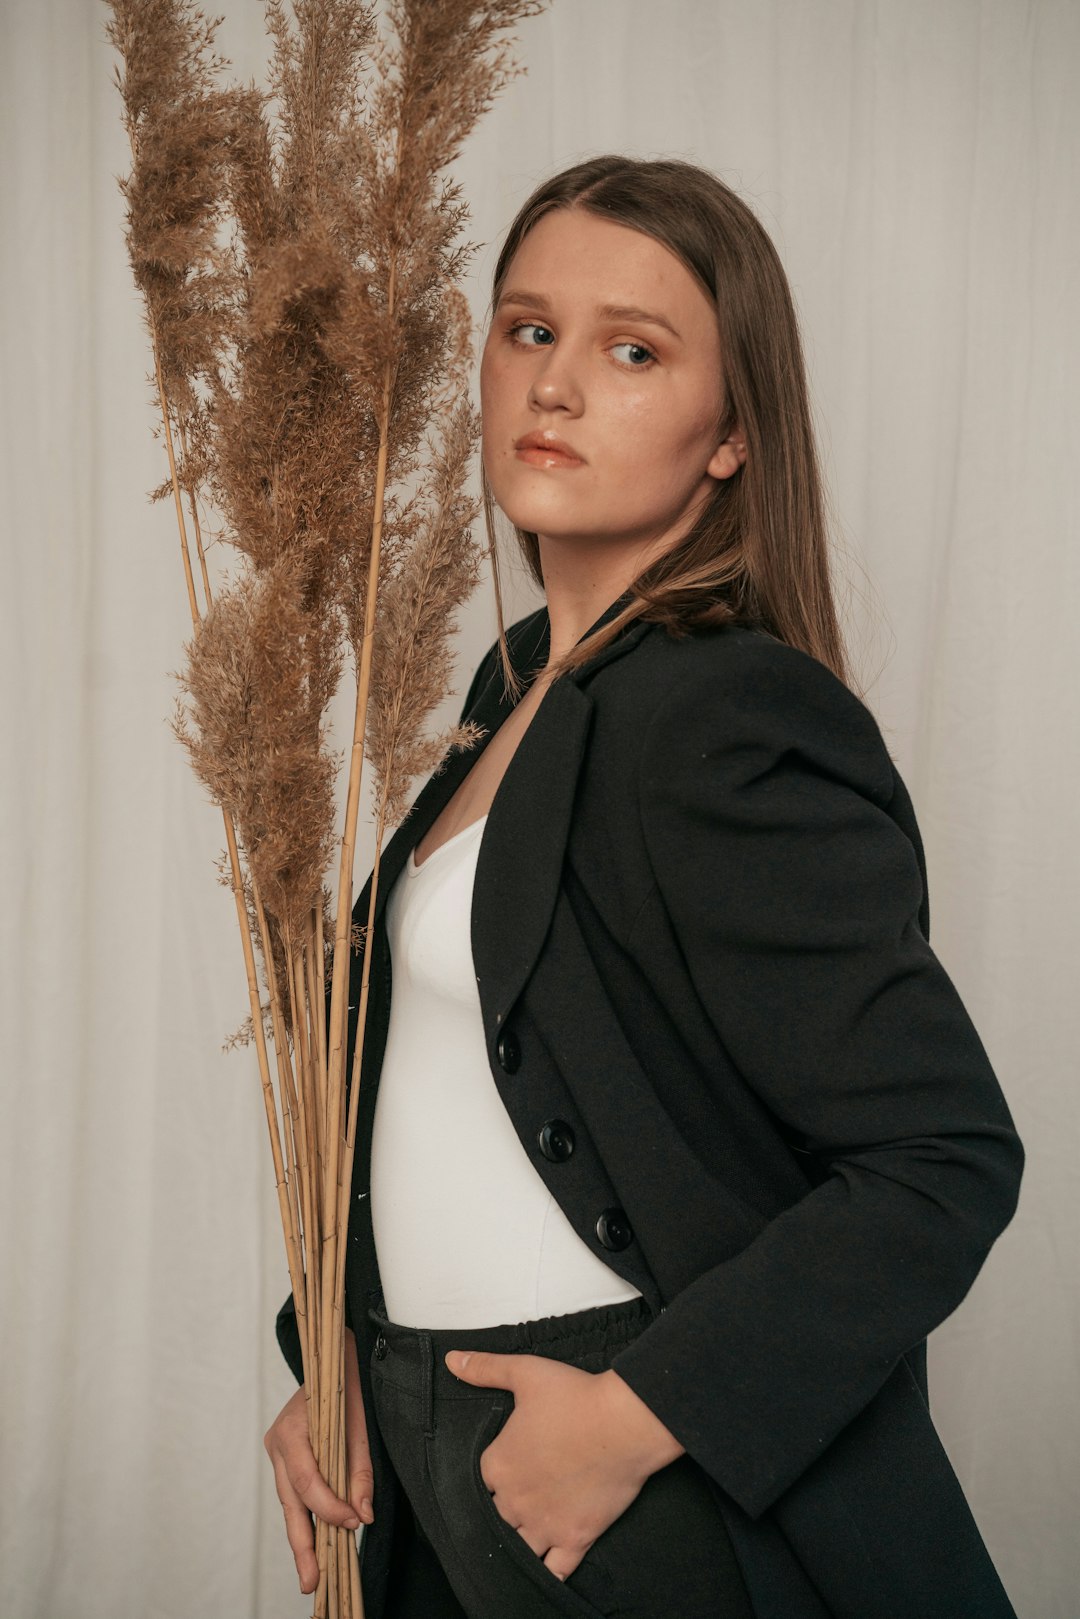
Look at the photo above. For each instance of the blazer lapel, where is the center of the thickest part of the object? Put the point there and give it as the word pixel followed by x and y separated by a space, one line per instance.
pixel 522 850
pixel 524 841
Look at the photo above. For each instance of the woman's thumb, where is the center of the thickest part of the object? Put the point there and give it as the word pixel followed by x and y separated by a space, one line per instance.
pixel 361 1477
pixel 357 1448
pixel 361 1490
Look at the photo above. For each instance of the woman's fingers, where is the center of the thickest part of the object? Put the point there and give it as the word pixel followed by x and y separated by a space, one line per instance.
pixel 358 1451
pixel 301 1488
pixel 299 1528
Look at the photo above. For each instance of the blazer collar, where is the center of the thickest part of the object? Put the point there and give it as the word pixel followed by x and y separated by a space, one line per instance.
pixel 521 852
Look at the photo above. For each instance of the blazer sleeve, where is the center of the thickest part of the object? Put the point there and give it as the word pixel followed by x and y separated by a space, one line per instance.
pixel 286 1329
pixel 795 896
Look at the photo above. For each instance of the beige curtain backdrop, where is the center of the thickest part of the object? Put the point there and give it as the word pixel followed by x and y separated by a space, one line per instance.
pixel 916 162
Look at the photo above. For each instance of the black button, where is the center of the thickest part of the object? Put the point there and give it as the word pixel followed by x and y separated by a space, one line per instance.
pixel 509 1051
pixel 613 1229
pixel 556 1140
pixel 380 1347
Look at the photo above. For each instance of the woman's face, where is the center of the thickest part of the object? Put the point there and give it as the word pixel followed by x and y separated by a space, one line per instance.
pixel 635 401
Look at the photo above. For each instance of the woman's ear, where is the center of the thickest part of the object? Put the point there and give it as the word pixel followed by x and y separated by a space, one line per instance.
pixel 729 456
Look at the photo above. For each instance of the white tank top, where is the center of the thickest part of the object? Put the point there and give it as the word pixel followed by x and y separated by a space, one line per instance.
pixel 466 1232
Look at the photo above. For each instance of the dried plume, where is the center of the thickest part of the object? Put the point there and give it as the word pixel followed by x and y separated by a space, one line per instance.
pixel 296 248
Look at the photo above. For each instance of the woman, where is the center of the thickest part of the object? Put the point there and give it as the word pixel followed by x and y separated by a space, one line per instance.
pixel 678 1128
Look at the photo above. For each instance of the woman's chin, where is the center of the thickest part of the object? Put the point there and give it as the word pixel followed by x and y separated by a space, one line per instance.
pixel 541 517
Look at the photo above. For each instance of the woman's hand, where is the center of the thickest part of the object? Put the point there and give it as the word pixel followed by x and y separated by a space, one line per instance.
pixel 302 1489
pixel 572 1454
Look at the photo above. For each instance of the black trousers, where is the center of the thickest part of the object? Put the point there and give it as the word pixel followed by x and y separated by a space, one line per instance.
pixel 454 1557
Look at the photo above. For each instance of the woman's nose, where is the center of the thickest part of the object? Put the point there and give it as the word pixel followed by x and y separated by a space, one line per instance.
pixel 555 383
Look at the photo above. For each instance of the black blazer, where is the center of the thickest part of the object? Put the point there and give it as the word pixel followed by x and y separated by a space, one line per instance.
pixel 700 932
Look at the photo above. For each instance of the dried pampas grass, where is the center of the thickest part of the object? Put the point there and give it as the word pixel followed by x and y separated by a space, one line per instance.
pixel 296 252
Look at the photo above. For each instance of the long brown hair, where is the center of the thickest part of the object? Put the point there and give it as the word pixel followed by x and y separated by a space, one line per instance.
pixel 758 551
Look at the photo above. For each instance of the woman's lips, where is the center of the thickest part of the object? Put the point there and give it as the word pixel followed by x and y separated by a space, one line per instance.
pixel 548 458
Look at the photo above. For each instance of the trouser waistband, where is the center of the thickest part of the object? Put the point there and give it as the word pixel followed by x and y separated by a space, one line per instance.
pixel 415 1355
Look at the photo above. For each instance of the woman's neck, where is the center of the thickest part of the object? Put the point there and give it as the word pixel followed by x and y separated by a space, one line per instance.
pixel 574 606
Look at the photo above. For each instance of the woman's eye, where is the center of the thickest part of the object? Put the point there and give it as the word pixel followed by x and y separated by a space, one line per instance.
pixel 628 365
pixel 527 326
pixel 641 349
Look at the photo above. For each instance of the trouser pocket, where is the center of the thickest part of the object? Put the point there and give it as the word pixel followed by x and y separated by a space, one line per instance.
pixel 585 1593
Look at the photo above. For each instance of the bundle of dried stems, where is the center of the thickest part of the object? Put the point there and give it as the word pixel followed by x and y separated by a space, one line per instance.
pixel 294 249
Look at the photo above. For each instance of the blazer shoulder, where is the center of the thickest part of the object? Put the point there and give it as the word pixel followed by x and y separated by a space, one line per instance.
pixel 740 689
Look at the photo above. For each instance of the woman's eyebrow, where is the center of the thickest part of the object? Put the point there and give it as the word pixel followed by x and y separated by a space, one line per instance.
pixel 536 300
